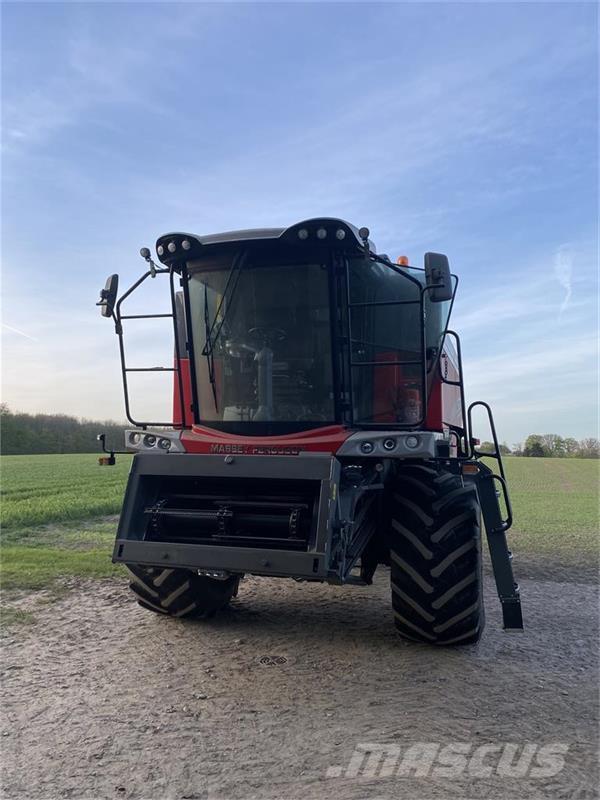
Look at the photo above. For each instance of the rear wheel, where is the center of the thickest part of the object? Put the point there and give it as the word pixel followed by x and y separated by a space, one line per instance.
pixel 180 592
pixel 435 557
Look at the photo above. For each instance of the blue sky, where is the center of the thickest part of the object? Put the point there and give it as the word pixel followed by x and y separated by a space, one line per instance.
pixel 469 129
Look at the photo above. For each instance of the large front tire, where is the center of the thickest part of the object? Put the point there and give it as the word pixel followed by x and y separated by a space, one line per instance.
pixel 180 592
pixel 435 557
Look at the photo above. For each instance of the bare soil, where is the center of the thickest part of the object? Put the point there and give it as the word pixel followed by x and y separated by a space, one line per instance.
pixel 102 699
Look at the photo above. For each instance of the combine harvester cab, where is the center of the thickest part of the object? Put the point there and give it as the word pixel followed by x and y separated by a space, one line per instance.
pixel 319 429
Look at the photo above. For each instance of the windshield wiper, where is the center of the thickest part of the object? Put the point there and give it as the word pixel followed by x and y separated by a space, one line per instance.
pixel 212 331
pixel 208 350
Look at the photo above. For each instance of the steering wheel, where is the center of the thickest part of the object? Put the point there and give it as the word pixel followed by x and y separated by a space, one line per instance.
pixel 267 336
pixel 262 336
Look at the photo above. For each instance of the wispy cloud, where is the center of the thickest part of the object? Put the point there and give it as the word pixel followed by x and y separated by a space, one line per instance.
pixel 91 75
pixel 19 332
pixel 563 270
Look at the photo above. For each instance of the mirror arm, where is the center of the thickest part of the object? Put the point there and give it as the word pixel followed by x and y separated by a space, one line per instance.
pixel 110 452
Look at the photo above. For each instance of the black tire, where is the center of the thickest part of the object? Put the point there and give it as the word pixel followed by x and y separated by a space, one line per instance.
pixel 435 557
pixel 180 592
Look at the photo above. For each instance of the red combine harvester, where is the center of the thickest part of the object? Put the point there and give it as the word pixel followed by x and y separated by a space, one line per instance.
pixel 319 429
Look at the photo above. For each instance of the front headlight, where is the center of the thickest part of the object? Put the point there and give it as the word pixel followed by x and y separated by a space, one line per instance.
pixel 162 442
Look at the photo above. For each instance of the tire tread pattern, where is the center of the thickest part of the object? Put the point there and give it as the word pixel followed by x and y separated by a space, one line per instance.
pixel 180 592
pixel 435 557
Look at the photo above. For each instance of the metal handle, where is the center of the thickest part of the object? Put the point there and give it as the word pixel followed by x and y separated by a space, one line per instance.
pixel 507 523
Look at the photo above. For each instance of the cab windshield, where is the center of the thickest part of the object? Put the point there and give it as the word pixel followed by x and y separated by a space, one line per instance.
pixel 262 340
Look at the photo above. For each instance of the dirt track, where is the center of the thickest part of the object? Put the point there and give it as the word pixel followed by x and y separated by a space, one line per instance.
pixel 102 699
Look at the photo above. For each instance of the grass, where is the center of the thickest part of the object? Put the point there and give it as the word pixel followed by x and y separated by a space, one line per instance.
pixel 59 516
pixel 55 519
pixel 26 567
pixel 42 489
pixel 16 616
pixel 555 505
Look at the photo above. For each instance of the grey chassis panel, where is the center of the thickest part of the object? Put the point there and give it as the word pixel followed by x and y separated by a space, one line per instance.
pixel 130 545
pixel 277 563
pixel 315 466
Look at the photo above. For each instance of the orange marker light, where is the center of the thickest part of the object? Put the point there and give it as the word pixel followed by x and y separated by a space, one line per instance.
pixel 402 261
pixel 470 469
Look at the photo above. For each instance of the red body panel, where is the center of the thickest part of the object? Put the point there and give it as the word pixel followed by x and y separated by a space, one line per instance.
pixel 451 401
pixel 208 440
pixel 184 419
pixel 444 402
pixel 434 420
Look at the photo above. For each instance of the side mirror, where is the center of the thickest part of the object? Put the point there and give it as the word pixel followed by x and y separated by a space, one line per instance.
pixel 437 272
pixel 108 296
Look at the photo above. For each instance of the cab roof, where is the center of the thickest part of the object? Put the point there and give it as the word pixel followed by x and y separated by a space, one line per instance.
pixel 173 248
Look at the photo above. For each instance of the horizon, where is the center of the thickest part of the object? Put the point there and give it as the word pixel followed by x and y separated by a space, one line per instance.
pixel 125 424
pixel 124 122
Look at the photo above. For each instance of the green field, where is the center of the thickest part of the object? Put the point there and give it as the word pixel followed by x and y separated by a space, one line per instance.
pixel 55 488
pixel 58 514
pixel 555 504
pixel 56 518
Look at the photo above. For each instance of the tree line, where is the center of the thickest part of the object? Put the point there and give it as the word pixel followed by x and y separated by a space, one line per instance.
pixel 23 434
pixel 549 445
